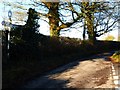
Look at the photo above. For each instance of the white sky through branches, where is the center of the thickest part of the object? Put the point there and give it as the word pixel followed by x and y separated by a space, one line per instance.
pixel 44 27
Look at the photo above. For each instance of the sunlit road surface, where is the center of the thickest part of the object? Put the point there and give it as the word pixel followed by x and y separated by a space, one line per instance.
pixel 116 75
pixel 93 72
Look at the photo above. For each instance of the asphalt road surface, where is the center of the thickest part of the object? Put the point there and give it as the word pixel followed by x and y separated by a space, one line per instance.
pixel 92 72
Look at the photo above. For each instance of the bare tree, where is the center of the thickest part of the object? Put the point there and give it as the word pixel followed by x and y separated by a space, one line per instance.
pixel 96 16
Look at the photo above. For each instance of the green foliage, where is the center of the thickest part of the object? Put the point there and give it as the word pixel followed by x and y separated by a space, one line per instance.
pixel 31 28
pixel 116 57
pixel 27 33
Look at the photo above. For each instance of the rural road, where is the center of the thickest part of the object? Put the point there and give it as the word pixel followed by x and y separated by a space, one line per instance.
pixel 93 72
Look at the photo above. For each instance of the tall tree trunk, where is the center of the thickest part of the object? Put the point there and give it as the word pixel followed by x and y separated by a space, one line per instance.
pixel 53 17
pixel 84 31
pixel 89 21
pixel 90 27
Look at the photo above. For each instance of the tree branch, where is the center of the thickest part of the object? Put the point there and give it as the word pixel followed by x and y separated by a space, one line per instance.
pixel 66 25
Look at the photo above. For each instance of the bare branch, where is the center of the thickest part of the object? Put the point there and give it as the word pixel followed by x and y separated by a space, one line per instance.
pixel 107 29
pixel 66 25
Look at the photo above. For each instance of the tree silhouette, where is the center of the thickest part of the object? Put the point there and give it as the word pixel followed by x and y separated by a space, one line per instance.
pixel 27 33
pixel 30 30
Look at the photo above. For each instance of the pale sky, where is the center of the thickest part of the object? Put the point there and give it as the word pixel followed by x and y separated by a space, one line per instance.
pixel 44 27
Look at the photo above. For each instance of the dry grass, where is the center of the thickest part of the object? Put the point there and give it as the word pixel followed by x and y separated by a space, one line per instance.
pixel 115 58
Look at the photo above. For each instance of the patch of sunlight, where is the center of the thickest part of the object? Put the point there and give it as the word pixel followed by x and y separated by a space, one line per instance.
pixel 116 57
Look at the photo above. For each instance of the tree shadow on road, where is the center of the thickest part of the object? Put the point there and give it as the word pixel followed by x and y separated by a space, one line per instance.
pixel 47 82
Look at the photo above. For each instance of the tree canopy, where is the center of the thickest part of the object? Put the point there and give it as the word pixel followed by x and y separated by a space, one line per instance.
pixel 98 18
